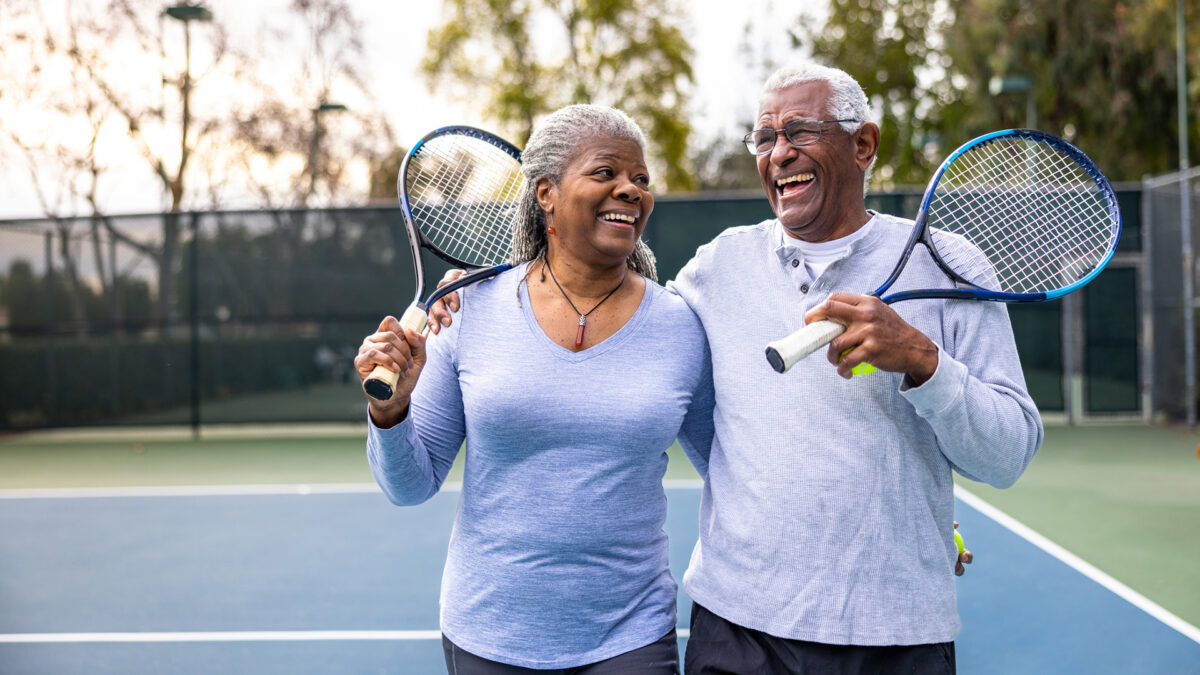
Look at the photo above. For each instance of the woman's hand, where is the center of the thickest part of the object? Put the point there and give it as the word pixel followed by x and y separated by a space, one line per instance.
pixel 439 313
pixel 399 350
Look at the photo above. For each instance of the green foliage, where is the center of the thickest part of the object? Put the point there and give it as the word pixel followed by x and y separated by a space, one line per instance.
pixel 1103 72
pixel 31 301
pixel 1103 75
pixel 630 55
pixel 883 44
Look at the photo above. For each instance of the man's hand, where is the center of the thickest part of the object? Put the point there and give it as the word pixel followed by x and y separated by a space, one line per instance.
pixel 875 334
pixel 964 558
pixel 439 313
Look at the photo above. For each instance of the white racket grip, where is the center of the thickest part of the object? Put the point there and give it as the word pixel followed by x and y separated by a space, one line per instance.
pixel 381 383
pixel 782 354
pixel 414 319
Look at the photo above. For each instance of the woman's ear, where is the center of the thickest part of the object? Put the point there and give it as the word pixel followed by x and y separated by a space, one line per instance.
pixel 547 194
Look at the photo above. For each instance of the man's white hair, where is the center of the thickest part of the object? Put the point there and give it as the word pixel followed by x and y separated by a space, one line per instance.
pixel 848 100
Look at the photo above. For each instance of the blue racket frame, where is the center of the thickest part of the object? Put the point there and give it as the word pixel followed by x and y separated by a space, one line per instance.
pixel 417 239
pixel 973 292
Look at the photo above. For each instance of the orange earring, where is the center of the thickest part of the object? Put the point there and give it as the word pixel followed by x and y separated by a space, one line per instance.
pixel 551 230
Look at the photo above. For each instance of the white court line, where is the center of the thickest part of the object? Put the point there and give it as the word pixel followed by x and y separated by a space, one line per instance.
pixel 1079 564
pixel 233 636
pixel 192 490
pixel 243 490
pixel 1075 562
pixel 224 636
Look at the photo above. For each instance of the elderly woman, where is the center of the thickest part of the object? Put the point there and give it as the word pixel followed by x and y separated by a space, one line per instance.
pixel 569 376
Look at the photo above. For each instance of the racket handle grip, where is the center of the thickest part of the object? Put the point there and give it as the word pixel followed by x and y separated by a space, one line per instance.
pixel 782 354
pixel 381 383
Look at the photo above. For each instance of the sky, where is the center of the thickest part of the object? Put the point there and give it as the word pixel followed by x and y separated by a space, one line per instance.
pixel 724 94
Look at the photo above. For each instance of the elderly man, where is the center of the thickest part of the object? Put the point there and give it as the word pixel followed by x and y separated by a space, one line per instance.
pixel 826 540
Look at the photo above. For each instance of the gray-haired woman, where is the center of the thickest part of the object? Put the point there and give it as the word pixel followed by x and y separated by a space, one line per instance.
pixel 568 376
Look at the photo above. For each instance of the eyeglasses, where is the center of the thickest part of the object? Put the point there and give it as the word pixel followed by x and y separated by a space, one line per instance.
pixel 798 132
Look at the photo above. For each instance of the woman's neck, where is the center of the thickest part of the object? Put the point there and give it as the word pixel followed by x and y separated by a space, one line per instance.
pixel 584 280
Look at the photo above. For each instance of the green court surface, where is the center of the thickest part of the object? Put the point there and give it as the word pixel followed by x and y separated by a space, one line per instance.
pixel 1125 498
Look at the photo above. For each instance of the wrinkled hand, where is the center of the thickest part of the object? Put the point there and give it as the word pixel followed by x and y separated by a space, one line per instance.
pixel 875 334
pixel 964 558
pixel 398 350
pixel 439 313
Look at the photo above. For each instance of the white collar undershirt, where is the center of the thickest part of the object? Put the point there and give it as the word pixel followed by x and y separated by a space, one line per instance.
pixel 819 256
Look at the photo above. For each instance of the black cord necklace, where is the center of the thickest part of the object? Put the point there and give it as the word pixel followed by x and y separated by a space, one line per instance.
pixel 582 316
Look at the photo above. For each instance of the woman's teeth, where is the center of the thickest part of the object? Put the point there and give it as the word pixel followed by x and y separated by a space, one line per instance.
pixel 619 217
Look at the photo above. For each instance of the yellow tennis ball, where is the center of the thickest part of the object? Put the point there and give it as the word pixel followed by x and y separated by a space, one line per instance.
pixel 863 368
pixel 958 541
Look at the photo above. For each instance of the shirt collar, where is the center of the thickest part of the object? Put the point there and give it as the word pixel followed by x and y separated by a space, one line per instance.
pixel 786 247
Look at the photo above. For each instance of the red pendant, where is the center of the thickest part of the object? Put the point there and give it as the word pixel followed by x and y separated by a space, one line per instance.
pixel 579 335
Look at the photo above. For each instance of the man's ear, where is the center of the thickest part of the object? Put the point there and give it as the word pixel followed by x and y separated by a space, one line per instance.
pixel 546 193
pixel 866 144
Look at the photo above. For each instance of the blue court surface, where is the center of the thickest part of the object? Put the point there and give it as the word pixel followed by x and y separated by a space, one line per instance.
pixel 334 579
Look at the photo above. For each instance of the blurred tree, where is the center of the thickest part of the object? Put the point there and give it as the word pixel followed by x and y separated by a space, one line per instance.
pixel 723 165
pixel 518 60
pixel 1102 75
pixel 98 91
pixel 886 46
pixel 282 117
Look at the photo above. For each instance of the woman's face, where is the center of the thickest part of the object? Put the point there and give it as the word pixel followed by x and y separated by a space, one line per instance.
pixel 601 206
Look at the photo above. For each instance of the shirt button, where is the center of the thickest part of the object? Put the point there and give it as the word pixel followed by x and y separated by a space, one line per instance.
pixel 795 262
pixel 803 288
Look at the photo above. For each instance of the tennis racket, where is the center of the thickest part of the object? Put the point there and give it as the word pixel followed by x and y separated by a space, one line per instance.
pixel 1011 216
pixel 459 190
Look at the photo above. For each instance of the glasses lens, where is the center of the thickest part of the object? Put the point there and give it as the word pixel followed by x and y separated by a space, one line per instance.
pixel 802 132
pixel 760 141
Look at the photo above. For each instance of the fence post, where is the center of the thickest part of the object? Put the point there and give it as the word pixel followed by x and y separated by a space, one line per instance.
pixel 1146 299
pixel 1189 296
pixel 194 323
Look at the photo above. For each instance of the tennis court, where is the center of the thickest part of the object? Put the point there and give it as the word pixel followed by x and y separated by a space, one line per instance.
pixel 270 551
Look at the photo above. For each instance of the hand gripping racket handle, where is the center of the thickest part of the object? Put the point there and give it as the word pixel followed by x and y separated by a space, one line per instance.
pixel 381 383
pixel 782 354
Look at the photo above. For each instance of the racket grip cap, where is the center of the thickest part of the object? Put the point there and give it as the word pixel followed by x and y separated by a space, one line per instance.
pixel 782 354
pixel 381 383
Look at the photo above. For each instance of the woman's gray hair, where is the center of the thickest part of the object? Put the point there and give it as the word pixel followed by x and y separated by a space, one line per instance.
pixel 550 149
pixel 847 101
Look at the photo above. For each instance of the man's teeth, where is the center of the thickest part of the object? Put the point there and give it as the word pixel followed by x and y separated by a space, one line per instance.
pixel 619 217
pixel 798 178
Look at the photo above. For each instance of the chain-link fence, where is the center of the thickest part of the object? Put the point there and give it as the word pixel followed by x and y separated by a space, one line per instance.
pixel 228 317
pixel 1171 211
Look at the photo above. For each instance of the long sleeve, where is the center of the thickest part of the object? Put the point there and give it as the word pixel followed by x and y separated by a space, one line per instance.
pixel 984 420
pixel 410 460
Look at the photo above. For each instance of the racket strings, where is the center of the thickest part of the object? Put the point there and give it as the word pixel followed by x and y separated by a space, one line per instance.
pixel 463 195
pixel 1020 216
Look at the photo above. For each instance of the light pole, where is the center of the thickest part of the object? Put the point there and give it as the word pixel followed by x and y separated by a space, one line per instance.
pixel 1016 84
pixel 185 13
pixel 314 143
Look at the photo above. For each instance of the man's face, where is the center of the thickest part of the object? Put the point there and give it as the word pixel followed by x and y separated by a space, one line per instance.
pixel 815 190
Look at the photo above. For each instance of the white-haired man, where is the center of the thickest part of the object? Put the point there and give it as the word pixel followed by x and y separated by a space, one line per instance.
pixel 826 518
